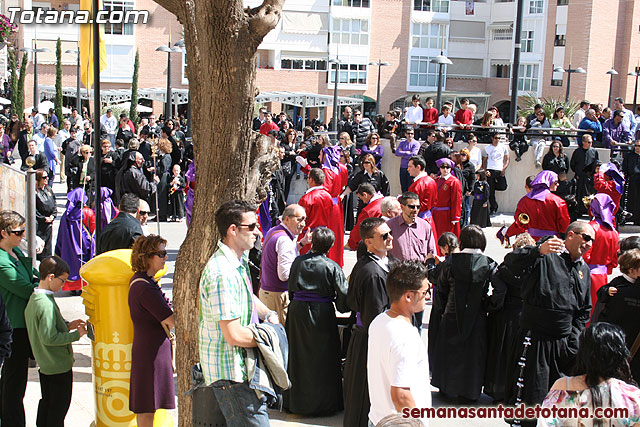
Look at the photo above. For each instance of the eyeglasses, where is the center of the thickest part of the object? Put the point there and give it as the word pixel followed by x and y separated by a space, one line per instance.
pixel 374 137
pixel 408 133
pixel 386 235
pixel 249 227
pixel 300 218
pixel 423 293
pixel 636 146
pixel 19 232
pixel 143 213
pixel 413 206
pixel 61 279
pixel 586 237
pixel 161 254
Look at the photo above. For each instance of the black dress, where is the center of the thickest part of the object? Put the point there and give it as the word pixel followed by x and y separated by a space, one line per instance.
pixel 558 164
pixel 312 331
pixel 580 159
pixel 479 213
pixel 631 170
pixel 163 170
pixel 367 296
pixel 379 181
pixel 460 351
pixel 45 206
pixel 176 197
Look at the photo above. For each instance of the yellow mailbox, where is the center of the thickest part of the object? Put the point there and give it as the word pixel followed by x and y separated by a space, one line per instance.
pixel 106 303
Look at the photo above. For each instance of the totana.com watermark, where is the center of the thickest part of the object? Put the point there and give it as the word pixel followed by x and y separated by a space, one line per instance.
pixel 41 16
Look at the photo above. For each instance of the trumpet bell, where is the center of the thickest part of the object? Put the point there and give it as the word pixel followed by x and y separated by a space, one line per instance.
pixel 524 218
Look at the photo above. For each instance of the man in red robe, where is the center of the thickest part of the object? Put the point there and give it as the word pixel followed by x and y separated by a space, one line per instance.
pixel 609 180
pixel 425 187
pixel 317 204
pixel 603 255
pixel 540 212
pixel 448 206
pixel 372 200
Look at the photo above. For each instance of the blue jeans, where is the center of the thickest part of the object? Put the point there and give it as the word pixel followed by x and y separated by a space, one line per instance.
pixel 240 404
pixel 112 139
pixel 405 179
pixel 466 210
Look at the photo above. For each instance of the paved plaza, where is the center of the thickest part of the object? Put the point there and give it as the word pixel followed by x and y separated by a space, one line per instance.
pixel 81 413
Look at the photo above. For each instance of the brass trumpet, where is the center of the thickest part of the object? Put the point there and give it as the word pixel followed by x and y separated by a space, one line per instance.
pixel 588 199
pixel 523 218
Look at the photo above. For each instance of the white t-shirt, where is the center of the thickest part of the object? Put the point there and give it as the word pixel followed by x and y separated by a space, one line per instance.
pixel 414 114
pixel 396 357
pixel 475 155
pixel 495 156
pixel 442 120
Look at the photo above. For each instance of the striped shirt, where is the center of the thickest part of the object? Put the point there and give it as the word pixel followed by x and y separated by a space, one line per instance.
pixel 225 294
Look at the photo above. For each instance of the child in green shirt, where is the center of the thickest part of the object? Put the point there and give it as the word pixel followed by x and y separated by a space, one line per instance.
pixel 51 340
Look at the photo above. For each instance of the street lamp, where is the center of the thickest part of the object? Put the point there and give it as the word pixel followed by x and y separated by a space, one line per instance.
pixel 177 48
pixel 335 94
pixel 379 64
pixel 611 73
pixel 78 98
pixel 569 71
pixel 35 50
pixel 441 60
pixel 635 73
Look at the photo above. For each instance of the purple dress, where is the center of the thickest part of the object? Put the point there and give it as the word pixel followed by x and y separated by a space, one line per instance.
pixel 151 371
pixel 191 179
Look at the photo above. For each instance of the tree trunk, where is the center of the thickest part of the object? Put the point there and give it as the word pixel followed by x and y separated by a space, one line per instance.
pixel 232 162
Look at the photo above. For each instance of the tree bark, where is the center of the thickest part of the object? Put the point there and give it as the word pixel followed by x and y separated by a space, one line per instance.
pixel 232 161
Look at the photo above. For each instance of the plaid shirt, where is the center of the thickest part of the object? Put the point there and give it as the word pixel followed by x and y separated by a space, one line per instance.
pixel 224 295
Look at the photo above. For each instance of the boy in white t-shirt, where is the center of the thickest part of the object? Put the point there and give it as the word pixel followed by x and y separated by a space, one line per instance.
pixel 495 161
pixel 397 361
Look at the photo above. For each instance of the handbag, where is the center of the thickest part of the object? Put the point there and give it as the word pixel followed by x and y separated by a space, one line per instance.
pixel 501 183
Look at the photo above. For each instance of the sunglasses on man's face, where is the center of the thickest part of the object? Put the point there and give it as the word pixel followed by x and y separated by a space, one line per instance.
pixel 586 237
pixel 143 213
pixel 249 227
pixel 413 206
pixel 19 232
pixel 386 235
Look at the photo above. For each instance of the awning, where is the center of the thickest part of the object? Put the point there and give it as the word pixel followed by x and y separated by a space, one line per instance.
pixel 302 99
pixel 115 96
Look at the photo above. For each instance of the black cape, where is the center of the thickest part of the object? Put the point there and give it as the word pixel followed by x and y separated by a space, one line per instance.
pixel 119 233
pixel 580 159
pixel 314 342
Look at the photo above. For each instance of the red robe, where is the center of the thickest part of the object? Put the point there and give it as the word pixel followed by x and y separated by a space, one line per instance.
pixel 603 254
pixel 372 210
pixel 546 217
pixel 317 205
pixel 335 183
pixel 427 190
pixel 448 206
pixel 602 185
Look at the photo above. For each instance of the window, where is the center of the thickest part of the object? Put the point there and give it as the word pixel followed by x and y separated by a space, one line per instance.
pixel 563 2
pixel 303 64
pixel 428 36
pixel 466 67
pixel 536 6
pixel 528 78
pixel 350 31
pixel 527 41
pixel 118 6
pixel 502 34
pixel 351 3
pixel 500 71
pixel 349 74
pixel 556 82
pixel 440 6
pixel 36 5
pixel 561 40
pixel 422 73
pixel 467 30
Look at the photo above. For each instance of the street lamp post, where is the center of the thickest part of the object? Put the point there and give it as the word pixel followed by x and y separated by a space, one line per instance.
pixel 78 98
pixel 335 94
pixel 635 73
pixel 441 60
pixel 380 64
pixel 611 73
pixel 177 47
pixel 569 71
pixel 35 51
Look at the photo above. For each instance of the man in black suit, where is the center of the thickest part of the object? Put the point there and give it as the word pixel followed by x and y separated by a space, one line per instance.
pixel 40 158
pixel 124 229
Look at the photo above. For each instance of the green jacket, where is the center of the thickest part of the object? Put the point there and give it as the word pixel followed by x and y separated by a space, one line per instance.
pixel 17 280
pixel 49 335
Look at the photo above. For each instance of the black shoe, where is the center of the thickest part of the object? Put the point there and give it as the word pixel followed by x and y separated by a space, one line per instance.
pixel 518 158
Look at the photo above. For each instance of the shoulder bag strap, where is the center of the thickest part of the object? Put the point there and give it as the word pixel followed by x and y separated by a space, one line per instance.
pixel 635 346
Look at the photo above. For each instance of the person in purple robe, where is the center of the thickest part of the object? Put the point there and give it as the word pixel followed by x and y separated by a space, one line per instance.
pixel 75 242
pixel 108 210
pixel 191 185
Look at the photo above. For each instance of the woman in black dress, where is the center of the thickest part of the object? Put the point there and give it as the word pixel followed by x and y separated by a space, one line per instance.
pixel 288 163
pixel 555 160
pixel 83 169
pixel 151 368
pixel 163 171
pixel 349 156
pixel 368 173
pixel 46 211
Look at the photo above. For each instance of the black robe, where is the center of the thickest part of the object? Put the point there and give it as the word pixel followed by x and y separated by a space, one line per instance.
pixel 433 152
pixel 163 171
pixel 623 309
pixel 580 159
pixel 367 296
pixel 45 206
pixel 460 315
pixel 314 341
pixel 556 308
pixel 479 213
pixel 631 170
pixel 505 306
pixel 277 201
pixel 176 197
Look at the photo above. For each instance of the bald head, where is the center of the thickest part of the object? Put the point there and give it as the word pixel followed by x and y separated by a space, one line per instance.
pixel 294 218
pixel 390 207
pixel 143 212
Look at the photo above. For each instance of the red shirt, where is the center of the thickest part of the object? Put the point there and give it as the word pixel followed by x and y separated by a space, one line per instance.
pixel 372 210
pixel 463 117
pixel 430 115
pixel 602 185
pixel 266 127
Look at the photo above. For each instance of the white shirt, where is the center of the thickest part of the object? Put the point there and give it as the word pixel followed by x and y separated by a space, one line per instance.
pixel 42 291
pixel 109 123
pixel 414 114
pixel 39 139
pixel 495 156
pixel 396 357
pixel 61 137
pixel 38 120
pixel 442 120
pixel 475 156
pixel 577 117
pixel 287 251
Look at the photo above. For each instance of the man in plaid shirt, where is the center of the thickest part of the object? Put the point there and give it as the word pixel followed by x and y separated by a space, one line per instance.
pixel 227 307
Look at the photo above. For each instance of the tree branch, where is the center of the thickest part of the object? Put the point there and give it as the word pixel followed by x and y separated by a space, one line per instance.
pixel 264 18
pixel 174 6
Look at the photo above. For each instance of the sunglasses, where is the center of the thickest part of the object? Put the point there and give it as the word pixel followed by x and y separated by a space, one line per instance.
pixel 386 235
pixel 161 254
pixel 45 177
pixel 413 206
pixel 249 227
pixel 366 163
pixel 409 133
pixel 143 213
pixel 18 232
pixel 445 167
pixel 374 137
pixel 423 293
pixel 586 237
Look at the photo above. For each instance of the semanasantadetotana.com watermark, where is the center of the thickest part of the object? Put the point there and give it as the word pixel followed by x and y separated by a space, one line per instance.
pixel 41 16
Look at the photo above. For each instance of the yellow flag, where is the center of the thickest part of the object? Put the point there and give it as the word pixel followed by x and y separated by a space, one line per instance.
pixel 86 46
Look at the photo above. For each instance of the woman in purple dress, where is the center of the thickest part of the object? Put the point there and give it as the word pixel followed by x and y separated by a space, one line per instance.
pixel 151 368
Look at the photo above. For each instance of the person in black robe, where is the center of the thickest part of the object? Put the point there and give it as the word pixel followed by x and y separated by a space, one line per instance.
pixel 460 350
pixel 367 297
pixel 480 205
pixel 556 305
pixel 124 229
pixel 505 306
pixel 622 306
pixel 315 282
pixel 46 211
pixel 163 172
pixel 108 162
pixel 176 185
pixel 277 198
pixel 582 159
pixel 631 170
pixel 434 152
